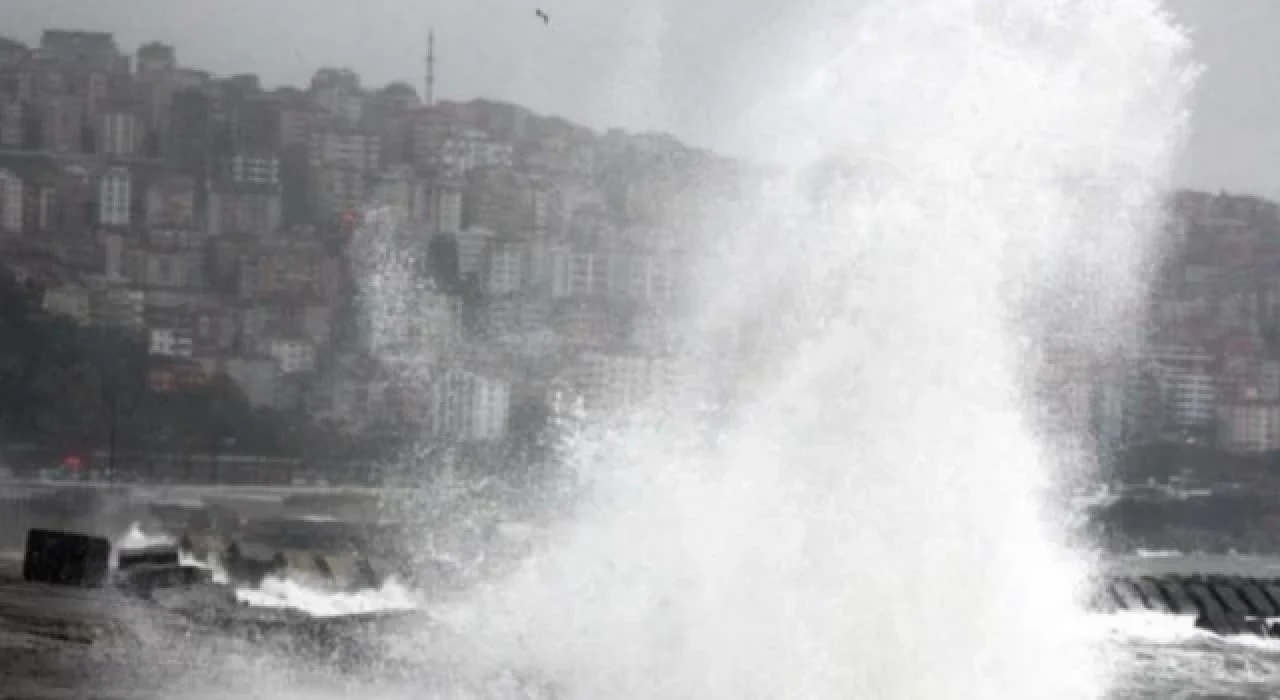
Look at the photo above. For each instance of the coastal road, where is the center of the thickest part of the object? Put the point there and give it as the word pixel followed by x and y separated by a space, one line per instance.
pixel 179 493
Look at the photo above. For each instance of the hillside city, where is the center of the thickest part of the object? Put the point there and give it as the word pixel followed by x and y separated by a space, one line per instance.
pixel 216 222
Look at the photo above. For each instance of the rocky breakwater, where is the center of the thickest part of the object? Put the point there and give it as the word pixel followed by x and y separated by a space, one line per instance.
pixel 71 593
pixel 1225 605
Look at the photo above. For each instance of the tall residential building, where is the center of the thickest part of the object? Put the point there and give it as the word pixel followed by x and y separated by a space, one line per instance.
pixel 191 132
pixel 569 271
pixel 1186 387
pixel 337 91
pixel 255 125
pixel 507 267
pixel 12 52
pixel 445 208
pixel 155 57
pixel 1190 398
pixel 78 194
pixel 97 88
pixel 91 48
pixel 294 123
pixel 119 133
pixel 12 123
pixel 1249 427
pixel 114 197
pixel 11 201
pixel 62 121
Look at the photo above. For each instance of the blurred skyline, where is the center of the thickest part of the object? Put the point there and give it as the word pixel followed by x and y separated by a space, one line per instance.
pixel 686 68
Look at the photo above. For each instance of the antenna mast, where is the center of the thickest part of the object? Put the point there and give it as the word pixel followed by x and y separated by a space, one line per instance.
pixel 429 95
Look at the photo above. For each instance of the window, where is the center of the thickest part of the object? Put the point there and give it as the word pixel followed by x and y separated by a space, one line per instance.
pixel 164 269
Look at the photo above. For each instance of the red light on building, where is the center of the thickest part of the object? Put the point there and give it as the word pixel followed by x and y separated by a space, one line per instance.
pixel 71 462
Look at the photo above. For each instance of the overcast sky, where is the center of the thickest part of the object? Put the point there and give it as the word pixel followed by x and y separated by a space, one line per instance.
pixel 688 66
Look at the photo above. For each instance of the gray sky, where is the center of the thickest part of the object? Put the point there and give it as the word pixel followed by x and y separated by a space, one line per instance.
pixel 687 66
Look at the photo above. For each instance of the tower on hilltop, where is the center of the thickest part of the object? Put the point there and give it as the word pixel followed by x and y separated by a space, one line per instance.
pixel 429 95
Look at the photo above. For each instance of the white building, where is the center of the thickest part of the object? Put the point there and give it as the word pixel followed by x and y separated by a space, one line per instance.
pixel 572 272
pixel 458 151
pixel 69 300
pixel 114 196
pixel 1190 398
pixel 119 134
pixel 341 148
pixel 169 343
pixel 474 149
pixel 470 407
pixel 1249 427
pixel 10 202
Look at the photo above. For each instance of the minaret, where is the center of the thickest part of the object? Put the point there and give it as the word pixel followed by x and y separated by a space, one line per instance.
pixel 429 95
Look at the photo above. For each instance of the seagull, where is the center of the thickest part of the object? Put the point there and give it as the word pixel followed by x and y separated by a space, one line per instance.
pixel 542 16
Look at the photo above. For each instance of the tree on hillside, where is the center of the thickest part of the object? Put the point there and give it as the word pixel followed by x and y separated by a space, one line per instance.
pixel 67 407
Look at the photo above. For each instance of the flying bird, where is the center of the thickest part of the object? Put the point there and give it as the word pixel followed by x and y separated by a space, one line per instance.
pixel 546 19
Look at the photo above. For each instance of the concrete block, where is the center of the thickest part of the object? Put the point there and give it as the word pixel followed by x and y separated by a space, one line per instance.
pixel 1211 615
pixel 66 559
pixel 146 578
pixel 203 547
pixel 1153 595
pixel 251 563
pixel 1231 600
pixel 1179 598
pixel 349 571
pixel 302 564
pixel 1272 590
pixel 1259 603
pixel 1128 596
pixel 159 555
